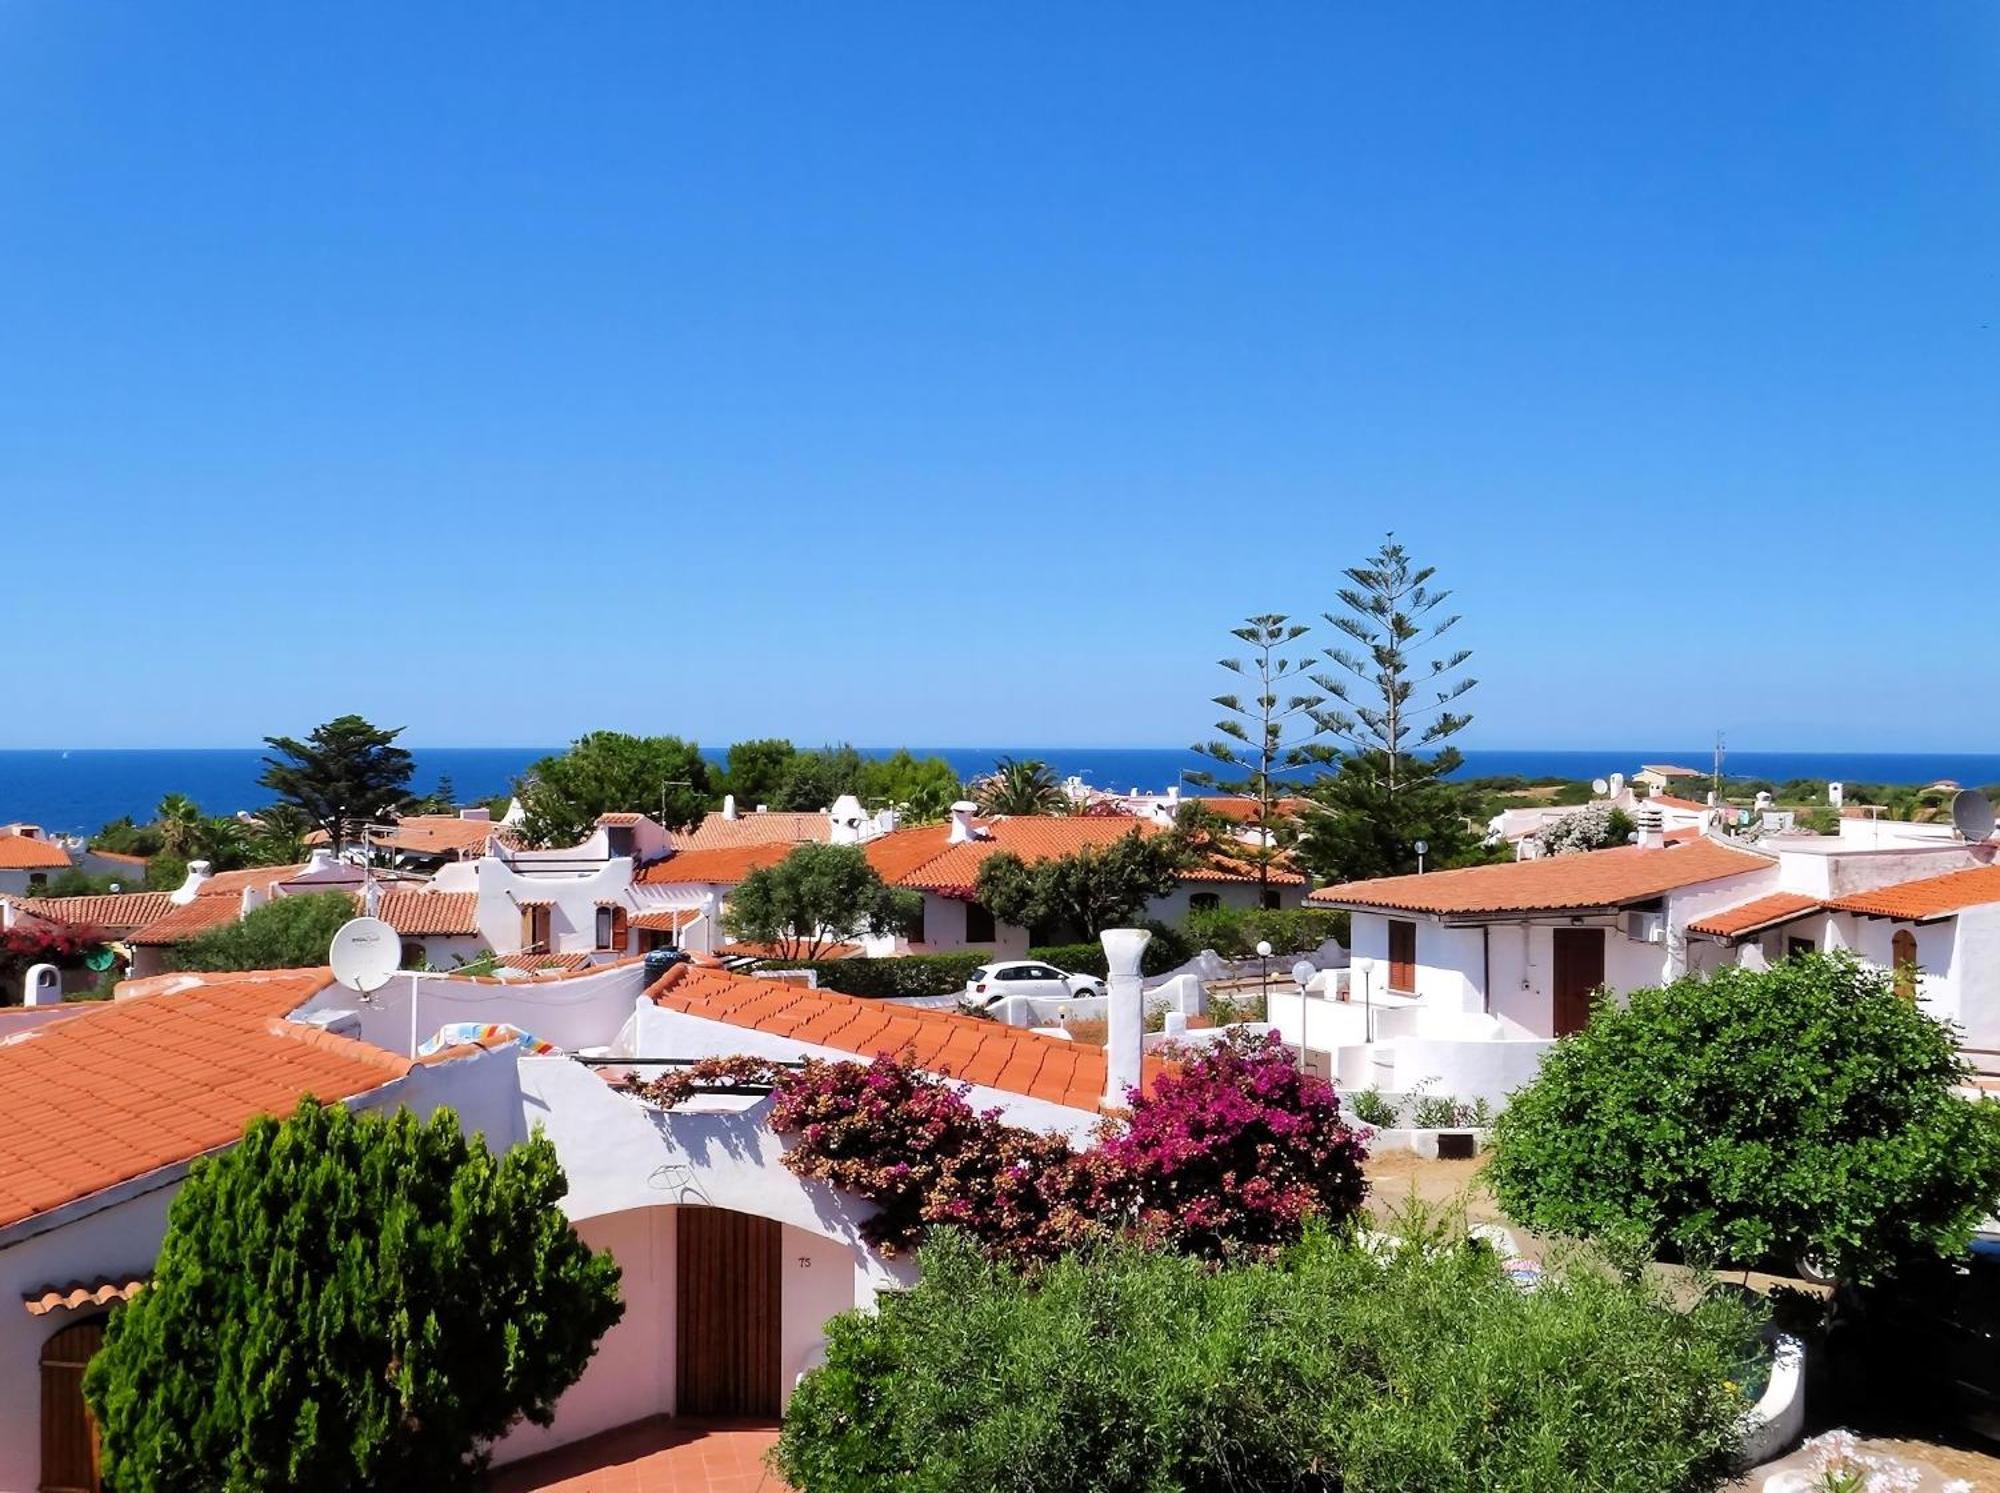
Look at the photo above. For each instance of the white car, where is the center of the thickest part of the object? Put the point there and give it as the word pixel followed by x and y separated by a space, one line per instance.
pixel 993 983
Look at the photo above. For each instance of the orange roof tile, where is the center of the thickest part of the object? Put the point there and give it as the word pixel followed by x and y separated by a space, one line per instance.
pixel 619 819
pixel 115 912
pixel 1929 897
pixel 183 922
pixel 440 834
pixel 132 1086
pixel 235 883
pixel 715 832
pixel 118 855
pixel 1247 810
pixel 539 962
pixel 1558 883
pixel 968 1048
pixel 28 853
pixel 925 858
pixel 1669 801
pixel 79 1293
pixel 417 914
pixel 725 865
pixel 1755 916
pixel 666 919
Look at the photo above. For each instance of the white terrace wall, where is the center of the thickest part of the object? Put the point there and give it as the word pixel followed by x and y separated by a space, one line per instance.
pixel 574 1012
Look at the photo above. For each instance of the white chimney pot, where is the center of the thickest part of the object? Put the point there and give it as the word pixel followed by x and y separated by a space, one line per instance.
pixel 1125 1013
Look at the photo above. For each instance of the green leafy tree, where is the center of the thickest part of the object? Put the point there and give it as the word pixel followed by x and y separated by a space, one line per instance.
pixel 813 780
pixel 1356 828
pixel 818 896
pixel 1085 893
pixel 285 933
pixel 755 771
pixel 609 772
pixel 1269 737
pixel 279 837
pixel 165 872
pixel 75 883
pixel 346 773
pixel 1018 788
pixel 443 799
pixel 349 1300
pixel 1418 1369
pixel 122 837
pixel 921 789
pixel 180 825
pixel 1753 1117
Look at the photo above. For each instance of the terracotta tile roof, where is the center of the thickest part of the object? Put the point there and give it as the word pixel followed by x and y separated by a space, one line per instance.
pixel 1669 801
pixel 114 912
pixel 619 820
pixel 1560 883
pixel 715 832
pixel 26 853
pixel 1245 810
pixel 440 834
pixel 666 919
pixel 79 1293
pixel 725 865
pixel 235 883
pixel 136 1085
pixel 1221 866
pixel 1756 915
pixel 118 855
pixel 1930 897
pixel 185 921
pixel 416 914
pixel 963 1047
pixel 925 859
pixel 539 962
pixel 748 949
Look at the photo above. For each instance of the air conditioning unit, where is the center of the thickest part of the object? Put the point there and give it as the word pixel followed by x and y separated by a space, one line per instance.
pixel 1645 927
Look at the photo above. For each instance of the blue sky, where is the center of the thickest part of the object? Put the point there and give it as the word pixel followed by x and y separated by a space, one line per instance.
pixel 960 374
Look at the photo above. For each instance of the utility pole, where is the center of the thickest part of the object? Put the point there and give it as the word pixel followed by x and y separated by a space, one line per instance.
pixel 1715 783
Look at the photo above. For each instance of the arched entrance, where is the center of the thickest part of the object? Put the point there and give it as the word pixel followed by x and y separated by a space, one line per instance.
pixel 69 1435
pixel 1903 957
pixel 728 1313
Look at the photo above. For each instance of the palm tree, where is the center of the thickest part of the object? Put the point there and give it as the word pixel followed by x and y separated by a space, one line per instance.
pixel 280 836
pixel 180 824
pixel 1017 788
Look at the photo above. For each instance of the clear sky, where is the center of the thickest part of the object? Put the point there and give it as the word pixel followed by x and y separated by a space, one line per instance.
pixel 960 373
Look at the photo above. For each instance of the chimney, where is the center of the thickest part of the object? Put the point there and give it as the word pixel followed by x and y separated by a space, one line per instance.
pixel 197 876
pixel 480 815
pixel 1650 836
pixel 1125 1013
pixel 961 822
pixel 322 859
pixel 728 806
pixel 845 819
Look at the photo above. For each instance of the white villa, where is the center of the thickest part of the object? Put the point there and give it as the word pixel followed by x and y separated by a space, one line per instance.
pixel 730 1265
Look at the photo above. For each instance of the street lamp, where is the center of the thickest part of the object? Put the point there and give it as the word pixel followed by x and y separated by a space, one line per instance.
pixel 1422 847
pixel 1302 973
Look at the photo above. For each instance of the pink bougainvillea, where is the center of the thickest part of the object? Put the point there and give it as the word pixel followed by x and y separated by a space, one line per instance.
pixel 1231 1150
pixel 1234 1148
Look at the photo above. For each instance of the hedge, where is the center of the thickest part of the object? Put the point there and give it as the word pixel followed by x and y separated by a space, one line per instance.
pixel 1168 949
pixel 902 974
pixel 1234 932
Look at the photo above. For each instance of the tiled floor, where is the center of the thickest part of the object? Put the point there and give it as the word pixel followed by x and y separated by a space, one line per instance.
pixel 654 1456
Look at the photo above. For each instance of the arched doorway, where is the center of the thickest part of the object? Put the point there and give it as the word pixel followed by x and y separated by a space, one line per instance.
pixel 1903 956
pixel 727 1313
pixel 69 1435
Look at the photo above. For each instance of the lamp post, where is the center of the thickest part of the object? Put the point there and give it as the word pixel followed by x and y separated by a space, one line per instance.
pixel 1302 973
pixel 1422 847
pixel 1264 979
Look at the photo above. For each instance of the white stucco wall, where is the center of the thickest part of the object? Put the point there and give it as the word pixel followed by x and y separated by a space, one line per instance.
pixel 575 1012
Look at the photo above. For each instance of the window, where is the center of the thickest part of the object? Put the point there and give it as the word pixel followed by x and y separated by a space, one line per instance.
pixel 1402 955
pixel 535 928
pixel 916 933
pixel 37 881
pixel 978 924
pixel 1204 902
pixel 1272 899
pixel 1798 947
pixel 413 954
pixel 604 922
pixel 1903 955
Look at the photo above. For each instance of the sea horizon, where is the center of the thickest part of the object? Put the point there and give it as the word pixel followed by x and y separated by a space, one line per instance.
pixel 78 790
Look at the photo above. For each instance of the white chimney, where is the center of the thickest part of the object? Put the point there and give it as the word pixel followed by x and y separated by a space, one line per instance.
pixel 961 822
pixel 728 806
pixel 197 877
pixel 885 821
pixel 1650 836
pixel 845 819
pixel 322 859
pixel 1125 1013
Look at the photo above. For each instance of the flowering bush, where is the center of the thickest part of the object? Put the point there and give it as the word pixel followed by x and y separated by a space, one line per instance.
pixel 27 945
pixel 1594 827
pixel 1234 1150
pixel 1839 1465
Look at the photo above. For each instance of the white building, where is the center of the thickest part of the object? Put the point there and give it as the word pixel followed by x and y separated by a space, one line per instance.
pixel 28 858
pixel 102 1108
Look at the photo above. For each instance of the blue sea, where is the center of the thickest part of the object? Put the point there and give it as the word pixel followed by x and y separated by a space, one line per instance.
pixel 80 790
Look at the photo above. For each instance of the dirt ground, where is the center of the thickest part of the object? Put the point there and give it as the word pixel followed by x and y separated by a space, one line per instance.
pixel 1394 1176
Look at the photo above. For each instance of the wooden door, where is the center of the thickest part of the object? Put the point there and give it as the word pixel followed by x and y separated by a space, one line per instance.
pixel 727 1310
pixel 69 1435
pixel 1579 971
pixel 1402 956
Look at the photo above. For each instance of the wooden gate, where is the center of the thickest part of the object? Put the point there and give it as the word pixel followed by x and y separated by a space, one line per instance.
pixel 69 1436
pixel 727 1300
pixel 1579 971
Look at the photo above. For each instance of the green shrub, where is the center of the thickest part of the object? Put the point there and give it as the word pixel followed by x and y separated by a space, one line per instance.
pixel 1168 949
pixel 1234 932
pixel 1135 1371
pixel 1754 1116
pixel 285 933
pixel 1373 1107
pixel 901 975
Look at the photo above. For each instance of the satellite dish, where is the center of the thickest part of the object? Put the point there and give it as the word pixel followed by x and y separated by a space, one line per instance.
pixel 364 954
pixel 100 960
pixel 1599 787
pixel 1972 813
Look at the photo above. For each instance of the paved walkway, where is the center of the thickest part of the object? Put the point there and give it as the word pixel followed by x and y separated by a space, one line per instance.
pixel 661 1455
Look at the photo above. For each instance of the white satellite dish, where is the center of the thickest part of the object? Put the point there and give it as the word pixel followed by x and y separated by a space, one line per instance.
pixel 1599 787
pixel 1972 813
pixel 365 954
